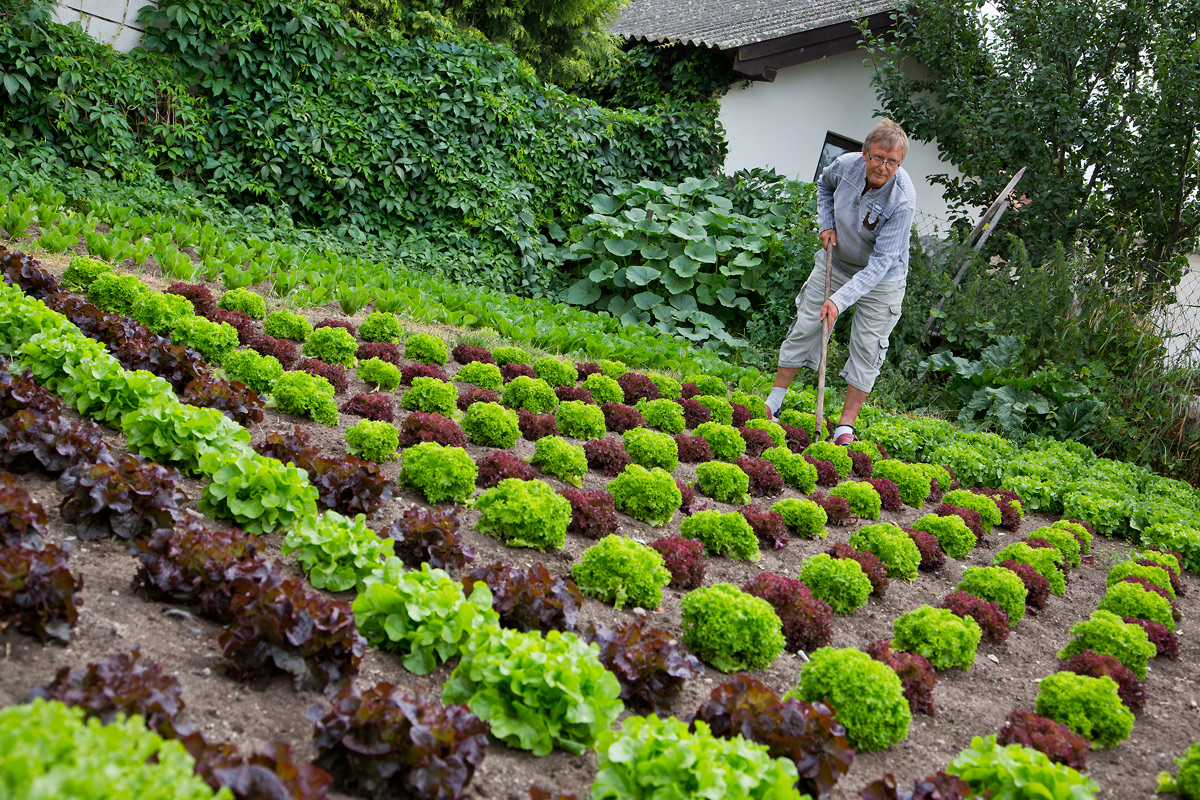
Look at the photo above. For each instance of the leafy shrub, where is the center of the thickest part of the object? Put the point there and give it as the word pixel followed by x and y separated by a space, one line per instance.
pixel 947 640
pixel 374 441
pixel 531 394
pixel 382 326
pixel 331 345
pixel 968 515
pixel 683 558
pixel 523 514
pixel 421 427
pixel 693 412
pixel 914 671
pixel 932 557
pixel 840 582
pixel 1156 574
pixel 38 593
pixel 256 371
pixel 731 630
pixel 473 394
pixel 952 534
pixel 566 393
pixel 872 567
pixel 468 354
pixel 430 535
pixel 249 303
pixel 259 494
pixel 385 376
pixel 421 614
pixel 637 387
pixel 793 469
pixel 1060 744
pixel 1000 771
pixel 56 746
pixel 281 349
pixel 555 456
pixel 802 518
pixel 864 467
pixel 649 662
pixel 606 456
pixel 424 348
pixel 828 451
pixel 1104 632
pixel 865 694
pixel 892 546
pixel 384 351
pixel 197 294
pixel 620 418
pixel 306 396
pixel 334 373
pixel 1045 561
pixel 651 449
pixel 764 479
pixel 238 320
pixel 724 441
pixel 646 494
pixel 282 625
pixel 22 519
pixel 630 762
pixel 797 439
pixel 1089 706
pixel 536 426
pixel 510 355
pixel 619 570
pixel 497 466
pixel 774 430
pixel 555 371
pixel 726 483
pixel 768 526
pixel 114 293
pixel 82 272
pixel 808 734
pixel 1186 782
pixel 1132 600
pixel 1176 537
pixel 491 425
pixel 212 340
pixel 579 420
pixel 431 395
pixel 989 509
pixel 419 749
pixel 826 473
pixel 439 473
pixel 999 585
pixel 286 325
pixel 593 514
pixel 719 408
pixel 604 389
pixel 126 496
pixel 666 415
pixel 1164 639
pixel 723 533
pixel 376 407
pixel 334 552
pixel 1131 690
pixel 536 692
pixel 160 312
pixel 807 622
pixel 913 485
pixel 863 499
pixel 481 374
pixel 529 599
pixel 988 615
pixel 692 449
pixel 510 372
pixel 1037 588
pixel 1062 541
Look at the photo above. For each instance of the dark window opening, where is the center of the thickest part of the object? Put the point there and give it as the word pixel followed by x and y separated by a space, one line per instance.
pixel 834 146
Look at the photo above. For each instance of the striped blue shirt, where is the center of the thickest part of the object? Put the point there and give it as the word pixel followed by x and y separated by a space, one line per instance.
pixel 873 229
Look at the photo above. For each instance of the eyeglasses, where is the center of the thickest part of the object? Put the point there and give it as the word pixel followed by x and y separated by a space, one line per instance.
pixel 883 162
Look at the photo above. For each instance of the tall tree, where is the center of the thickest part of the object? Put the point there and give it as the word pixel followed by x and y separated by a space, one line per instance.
pixel 1100 99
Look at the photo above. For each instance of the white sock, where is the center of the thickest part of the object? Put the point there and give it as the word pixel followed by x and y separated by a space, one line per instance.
pixel 840 429
pixel 775 399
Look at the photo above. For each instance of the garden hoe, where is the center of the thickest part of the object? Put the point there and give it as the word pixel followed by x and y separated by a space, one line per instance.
pixel 819 411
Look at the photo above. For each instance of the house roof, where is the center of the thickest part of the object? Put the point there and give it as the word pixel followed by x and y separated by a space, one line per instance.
pixel 729 24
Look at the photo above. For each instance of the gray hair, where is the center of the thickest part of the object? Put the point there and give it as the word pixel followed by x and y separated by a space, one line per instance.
pixel 888 134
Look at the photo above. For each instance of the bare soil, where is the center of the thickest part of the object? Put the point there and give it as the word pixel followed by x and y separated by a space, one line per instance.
pixel 971 703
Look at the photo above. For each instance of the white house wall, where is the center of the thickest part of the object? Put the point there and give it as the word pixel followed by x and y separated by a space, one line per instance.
pixel 782 124
pixel 111 21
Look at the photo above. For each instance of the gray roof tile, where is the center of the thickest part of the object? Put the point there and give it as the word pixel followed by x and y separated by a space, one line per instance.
pixel 727 24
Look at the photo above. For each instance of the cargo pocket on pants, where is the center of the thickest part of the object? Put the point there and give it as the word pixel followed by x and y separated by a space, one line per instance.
pixel 886 339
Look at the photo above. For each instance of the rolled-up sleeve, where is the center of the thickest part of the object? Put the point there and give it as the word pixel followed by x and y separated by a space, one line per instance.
pixel 891 245
pixel 826 184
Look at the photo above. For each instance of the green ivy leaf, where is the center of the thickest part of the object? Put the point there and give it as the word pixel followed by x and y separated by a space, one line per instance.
pixel 583 292
pixel 647 300
pixel 621 248
pixel 676 284
pixel 640 274
pixel 702 251
pixel 685 266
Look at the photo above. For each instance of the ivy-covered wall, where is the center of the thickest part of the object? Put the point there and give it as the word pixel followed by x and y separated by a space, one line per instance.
pixel 113 22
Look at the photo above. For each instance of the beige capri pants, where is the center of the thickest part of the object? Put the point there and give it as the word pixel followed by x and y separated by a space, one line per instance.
pixel 876 314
